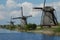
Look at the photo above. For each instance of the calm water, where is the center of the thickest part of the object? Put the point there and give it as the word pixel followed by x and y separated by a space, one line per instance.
pixel 13 35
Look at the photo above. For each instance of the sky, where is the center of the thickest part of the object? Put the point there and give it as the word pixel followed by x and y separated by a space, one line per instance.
pixel 10 8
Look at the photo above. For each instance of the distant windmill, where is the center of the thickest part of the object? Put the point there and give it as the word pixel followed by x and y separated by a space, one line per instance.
pixel 23 18
pixel 11 22
pixel 48 17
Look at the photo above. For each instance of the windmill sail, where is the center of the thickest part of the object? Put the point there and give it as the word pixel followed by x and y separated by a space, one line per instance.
pixel 17 18
pixel 22 11
pixel 44 3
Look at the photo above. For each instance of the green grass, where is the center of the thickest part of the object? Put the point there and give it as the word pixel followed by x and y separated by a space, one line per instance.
pixel 57 29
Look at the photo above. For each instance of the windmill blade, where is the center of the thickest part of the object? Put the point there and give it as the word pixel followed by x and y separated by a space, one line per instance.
pixel 56 18
pixel 37 8
pixel 21 11
pixel 10 21
pixel 43 12
pixel 40 7
pixel 44 4
pixel 55 14
pixel 29 16
pixel 11 18
pixel 42 21
pixel 17 18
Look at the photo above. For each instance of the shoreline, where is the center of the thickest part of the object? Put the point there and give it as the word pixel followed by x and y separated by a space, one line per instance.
pixel 46 32
pixel 43 31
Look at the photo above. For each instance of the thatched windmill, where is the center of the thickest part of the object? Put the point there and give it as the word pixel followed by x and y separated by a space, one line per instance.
pixel 23 18
pixel 48 16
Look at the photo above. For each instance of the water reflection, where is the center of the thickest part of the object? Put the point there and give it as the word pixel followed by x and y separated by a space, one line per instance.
pixel 46 37
pixel 7 31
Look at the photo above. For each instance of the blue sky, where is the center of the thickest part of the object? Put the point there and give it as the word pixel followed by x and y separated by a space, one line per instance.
pixel 10 8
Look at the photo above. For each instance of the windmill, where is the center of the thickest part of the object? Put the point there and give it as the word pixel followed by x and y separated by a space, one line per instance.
pixel 11 22
pixel 48 17
pixel 23 18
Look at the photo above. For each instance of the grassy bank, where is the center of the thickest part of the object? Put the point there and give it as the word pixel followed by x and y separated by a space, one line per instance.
pixel 54 30
pixel 49 31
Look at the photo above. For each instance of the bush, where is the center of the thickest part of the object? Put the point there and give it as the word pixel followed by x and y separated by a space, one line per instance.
pixel 10 27
pixel 30 27
pixel 34 26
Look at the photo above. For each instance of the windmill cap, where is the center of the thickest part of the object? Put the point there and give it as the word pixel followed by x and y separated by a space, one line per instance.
pixel 48 8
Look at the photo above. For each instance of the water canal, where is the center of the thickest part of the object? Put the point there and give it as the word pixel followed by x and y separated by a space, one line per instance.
pixel 13 35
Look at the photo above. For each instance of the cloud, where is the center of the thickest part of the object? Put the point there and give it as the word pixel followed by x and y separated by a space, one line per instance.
pixel 27 6
pixel 1 17
pixel 28 9
pixel 1 7
pixel 2 12
pixel 11 3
